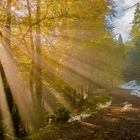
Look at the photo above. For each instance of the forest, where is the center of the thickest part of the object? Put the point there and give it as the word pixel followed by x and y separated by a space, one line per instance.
pixel 65 73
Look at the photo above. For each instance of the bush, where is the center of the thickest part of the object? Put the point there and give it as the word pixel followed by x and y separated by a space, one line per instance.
pixel 61 115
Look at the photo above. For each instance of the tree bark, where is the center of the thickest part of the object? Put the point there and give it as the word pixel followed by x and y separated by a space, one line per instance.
pixel 38 55
pixel 32 50
pixel 8 23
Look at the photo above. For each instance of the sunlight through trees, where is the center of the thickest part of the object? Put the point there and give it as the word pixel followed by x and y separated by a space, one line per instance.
pixel 55 56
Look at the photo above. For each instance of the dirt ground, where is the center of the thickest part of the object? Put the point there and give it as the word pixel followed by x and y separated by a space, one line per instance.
pixel 112 123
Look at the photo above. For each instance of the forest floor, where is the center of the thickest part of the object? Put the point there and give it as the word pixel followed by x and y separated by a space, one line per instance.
pixel 116 122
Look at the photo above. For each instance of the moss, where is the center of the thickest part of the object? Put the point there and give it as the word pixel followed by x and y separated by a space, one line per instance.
pixel 91 104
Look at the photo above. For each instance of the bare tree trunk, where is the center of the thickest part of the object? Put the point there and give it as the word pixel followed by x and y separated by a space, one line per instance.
pixel 38 55
pixel 8 23
pixel 32 49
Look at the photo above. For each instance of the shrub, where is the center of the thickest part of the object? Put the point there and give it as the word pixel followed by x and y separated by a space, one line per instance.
pixel 61 115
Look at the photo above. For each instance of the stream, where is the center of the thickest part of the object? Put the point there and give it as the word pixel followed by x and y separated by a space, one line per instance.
pixel 133 87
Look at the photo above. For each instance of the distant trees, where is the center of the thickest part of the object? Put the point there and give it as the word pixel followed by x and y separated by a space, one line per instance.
pixel 132 69
pixel 93 39
pixel 136 23
pixel 120 40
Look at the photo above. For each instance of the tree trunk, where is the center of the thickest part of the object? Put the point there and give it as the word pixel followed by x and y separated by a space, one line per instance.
pixel 38 55
pixel 32 50
pixel 8 23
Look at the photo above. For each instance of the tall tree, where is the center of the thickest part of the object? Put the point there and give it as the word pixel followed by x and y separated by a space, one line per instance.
pixel 136 22
pixel 32 47
pixel 132 68
pixel 38 54
pixel 120 40
pixel 8 23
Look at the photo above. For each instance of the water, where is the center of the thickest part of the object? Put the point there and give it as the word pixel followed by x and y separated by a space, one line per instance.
pixel 133 87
